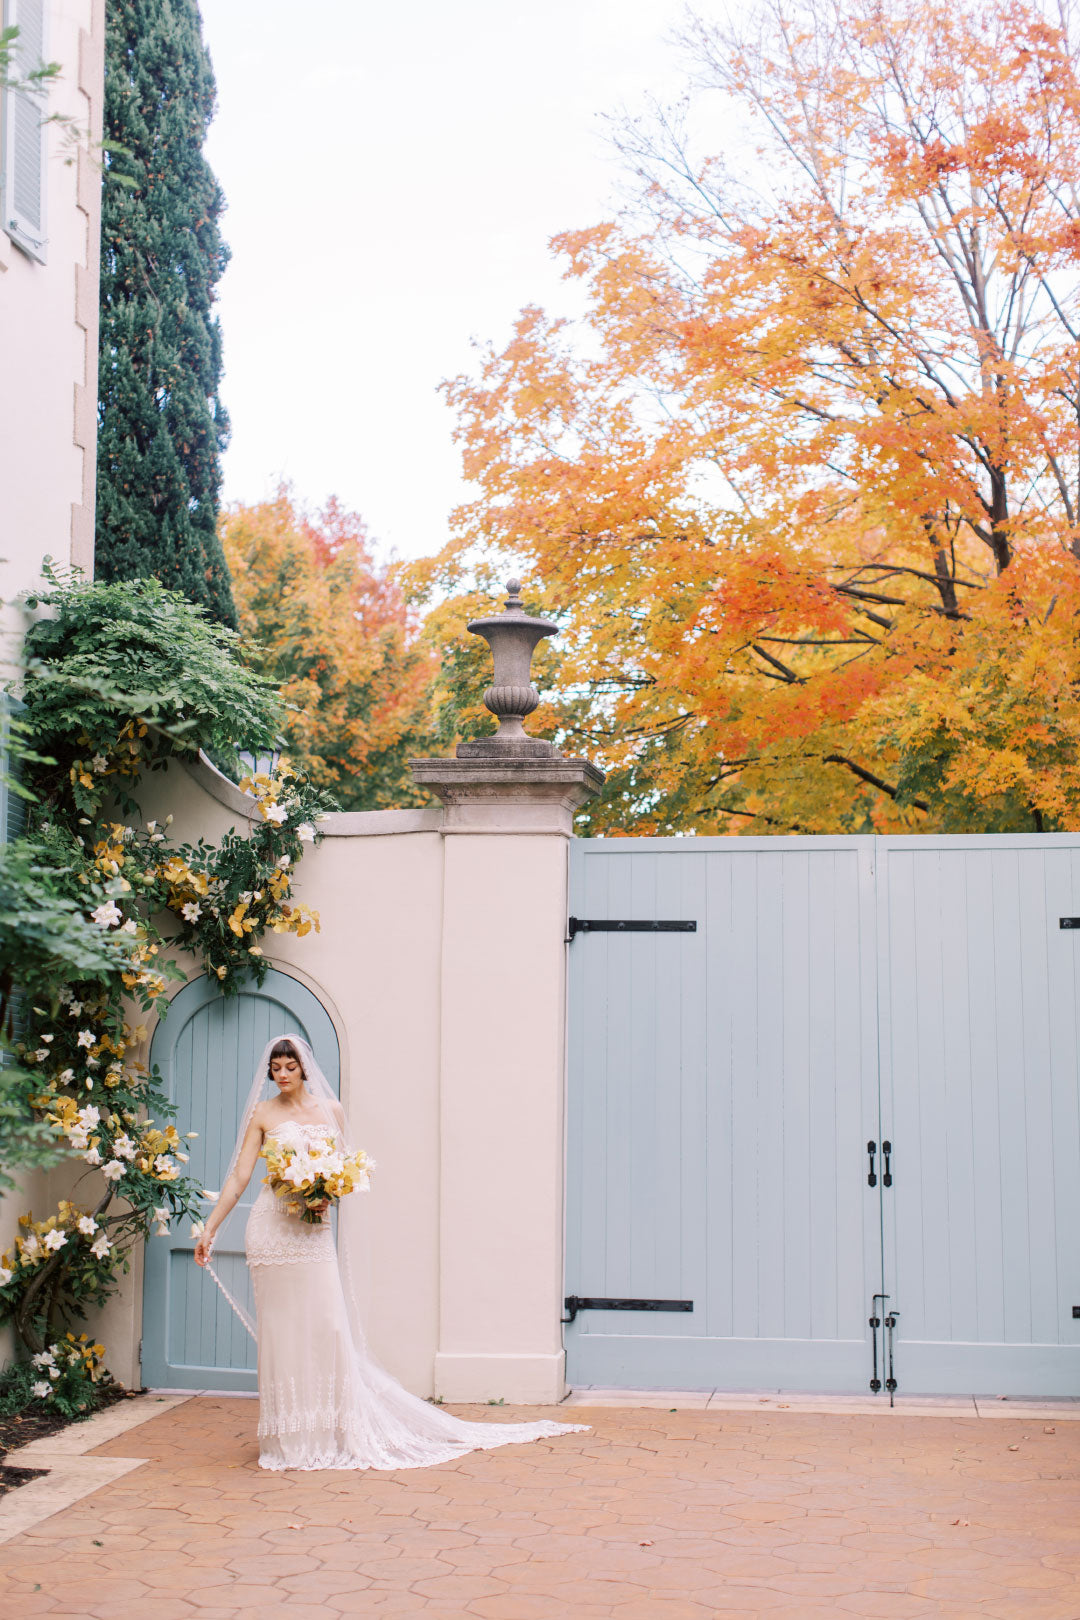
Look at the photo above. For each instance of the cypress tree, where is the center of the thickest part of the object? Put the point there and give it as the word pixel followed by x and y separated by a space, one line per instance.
pixel 161 425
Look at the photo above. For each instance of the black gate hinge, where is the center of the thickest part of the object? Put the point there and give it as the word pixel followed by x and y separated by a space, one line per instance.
pixel 630 925
pixel 575 1304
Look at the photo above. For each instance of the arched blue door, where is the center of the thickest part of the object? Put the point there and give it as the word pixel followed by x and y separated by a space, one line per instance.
pixel 206 1049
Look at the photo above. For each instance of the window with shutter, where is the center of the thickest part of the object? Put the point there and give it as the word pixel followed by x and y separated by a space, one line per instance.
pixel 24 130
pixel 12 825
pixel 12 803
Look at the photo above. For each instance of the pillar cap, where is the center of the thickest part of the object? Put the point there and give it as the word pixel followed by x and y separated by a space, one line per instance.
pixel 509 795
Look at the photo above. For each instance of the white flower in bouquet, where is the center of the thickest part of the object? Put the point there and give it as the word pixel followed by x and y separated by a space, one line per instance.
pixel 55 1240
pixel 93 1156
pixel 107 915
pixel 85 1037
pixel 6 1275
pixel 100 1246
pixel 114 1170
pixel 44 1358
pixel 123 1147
pixel 306 832
pixel 87 1225
pixel 41 1391
pixel 191 912
pixel 276 813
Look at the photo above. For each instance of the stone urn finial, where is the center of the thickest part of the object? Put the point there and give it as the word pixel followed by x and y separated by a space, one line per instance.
pixel 512 636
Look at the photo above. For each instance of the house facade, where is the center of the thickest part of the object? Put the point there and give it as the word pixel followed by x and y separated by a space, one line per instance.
pixel 50 229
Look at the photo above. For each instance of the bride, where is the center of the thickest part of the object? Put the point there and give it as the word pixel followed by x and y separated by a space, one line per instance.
pixel 323 1401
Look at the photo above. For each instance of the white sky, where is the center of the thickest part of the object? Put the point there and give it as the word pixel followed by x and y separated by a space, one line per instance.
pixel 393 173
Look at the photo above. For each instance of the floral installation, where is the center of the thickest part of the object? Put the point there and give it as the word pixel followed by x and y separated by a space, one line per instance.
pixel 131 899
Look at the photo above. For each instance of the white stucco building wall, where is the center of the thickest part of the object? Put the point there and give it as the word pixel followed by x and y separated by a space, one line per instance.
pixel 49 331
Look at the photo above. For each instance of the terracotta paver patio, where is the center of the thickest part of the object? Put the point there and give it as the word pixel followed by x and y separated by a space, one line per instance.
pixel 654 1515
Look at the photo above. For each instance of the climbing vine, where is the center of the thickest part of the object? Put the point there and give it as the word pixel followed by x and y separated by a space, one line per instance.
pixel 119 680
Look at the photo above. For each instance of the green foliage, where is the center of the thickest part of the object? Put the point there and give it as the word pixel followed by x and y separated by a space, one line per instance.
pixel 66 1379
pixel 43 927
pixel 129 673
pixel 93 910
pixel 161 424
pixel 12 76
pixel 26 1143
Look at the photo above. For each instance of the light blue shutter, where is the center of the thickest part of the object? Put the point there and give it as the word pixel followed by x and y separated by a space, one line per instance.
pixel 12 825
pixel 24 133
pixel 12 803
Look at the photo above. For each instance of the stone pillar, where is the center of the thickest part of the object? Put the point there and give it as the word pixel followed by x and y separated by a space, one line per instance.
pixel 508 820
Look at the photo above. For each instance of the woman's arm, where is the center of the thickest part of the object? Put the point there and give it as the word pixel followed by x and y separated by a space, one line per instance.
pixel 232 1190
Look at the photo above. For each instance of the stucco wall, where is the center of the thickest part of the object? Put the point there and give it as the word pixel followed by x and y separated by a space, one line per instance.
pixel 48 336
pixel 440 961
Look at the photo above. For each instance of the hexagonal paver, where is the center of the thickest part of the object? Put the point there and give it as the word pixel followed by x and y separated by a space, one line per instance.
pixel 654 1515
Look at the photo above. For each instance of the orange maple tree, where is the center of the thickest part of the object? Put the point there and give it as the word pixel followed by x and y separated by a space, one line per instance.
pixel 803 484
pixel 332 628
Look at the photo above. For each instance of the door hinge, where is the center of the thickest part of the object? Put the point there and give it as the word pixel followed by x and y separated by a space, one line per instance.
pixel 629 925
pixel 575 1304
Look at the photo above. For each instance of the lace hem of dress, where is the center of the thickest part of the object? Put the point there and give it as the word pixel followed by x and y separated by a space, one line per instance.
pixel 481 1437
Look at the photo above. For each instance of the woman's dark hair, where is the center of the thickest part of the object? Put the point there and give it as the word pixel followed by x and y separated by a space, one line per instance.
pixel 280 1049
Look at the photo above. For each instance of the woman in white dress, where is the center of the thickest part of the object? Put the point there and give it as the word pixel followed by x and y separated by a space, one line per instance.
pixel 323 1401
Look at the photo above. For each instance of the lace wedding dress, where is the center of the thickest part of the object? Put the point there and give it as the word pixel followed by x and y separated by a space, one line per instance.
pixel 323 1401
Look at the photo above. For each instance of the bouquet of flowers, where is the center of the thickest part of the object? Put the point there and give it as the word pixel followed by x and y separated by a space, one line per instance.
pixel 309 1176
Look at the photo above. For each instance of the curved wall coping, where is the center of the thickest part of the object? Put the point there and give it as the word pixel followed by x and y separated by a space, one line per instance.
pixel 338 823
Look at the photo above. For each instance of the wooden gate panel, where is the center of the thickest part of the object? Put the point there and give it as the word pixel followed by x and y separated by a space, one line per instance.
pixel 719 1080
pixel 979 1073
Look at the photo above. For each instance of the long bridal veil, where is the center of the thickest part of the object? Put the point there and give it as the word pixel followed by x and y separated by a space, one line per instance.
pixel 386 1427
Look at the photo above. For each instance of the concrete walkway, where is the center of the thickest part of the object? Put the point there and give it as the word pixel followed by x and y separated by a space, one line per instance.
pixel 654 1515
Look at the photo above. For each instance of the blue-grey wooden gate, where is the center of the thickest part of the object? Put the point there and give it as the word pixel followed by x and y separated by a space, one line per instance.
pixel 206 1049
pixel 980 1012
pixel 725 1084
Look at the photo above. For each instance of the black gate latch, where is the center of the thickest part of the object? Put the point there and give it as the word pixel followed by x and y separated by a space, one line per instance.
pixel 574 1304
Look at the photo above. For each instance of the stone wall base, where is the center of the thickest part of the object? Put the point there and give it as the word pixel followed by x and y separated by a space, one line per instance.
pixel 526 1380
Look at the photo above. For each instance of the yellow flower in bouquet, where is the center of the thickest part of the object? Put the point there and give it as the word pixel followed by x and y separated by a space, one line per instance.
pixel 312 1175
